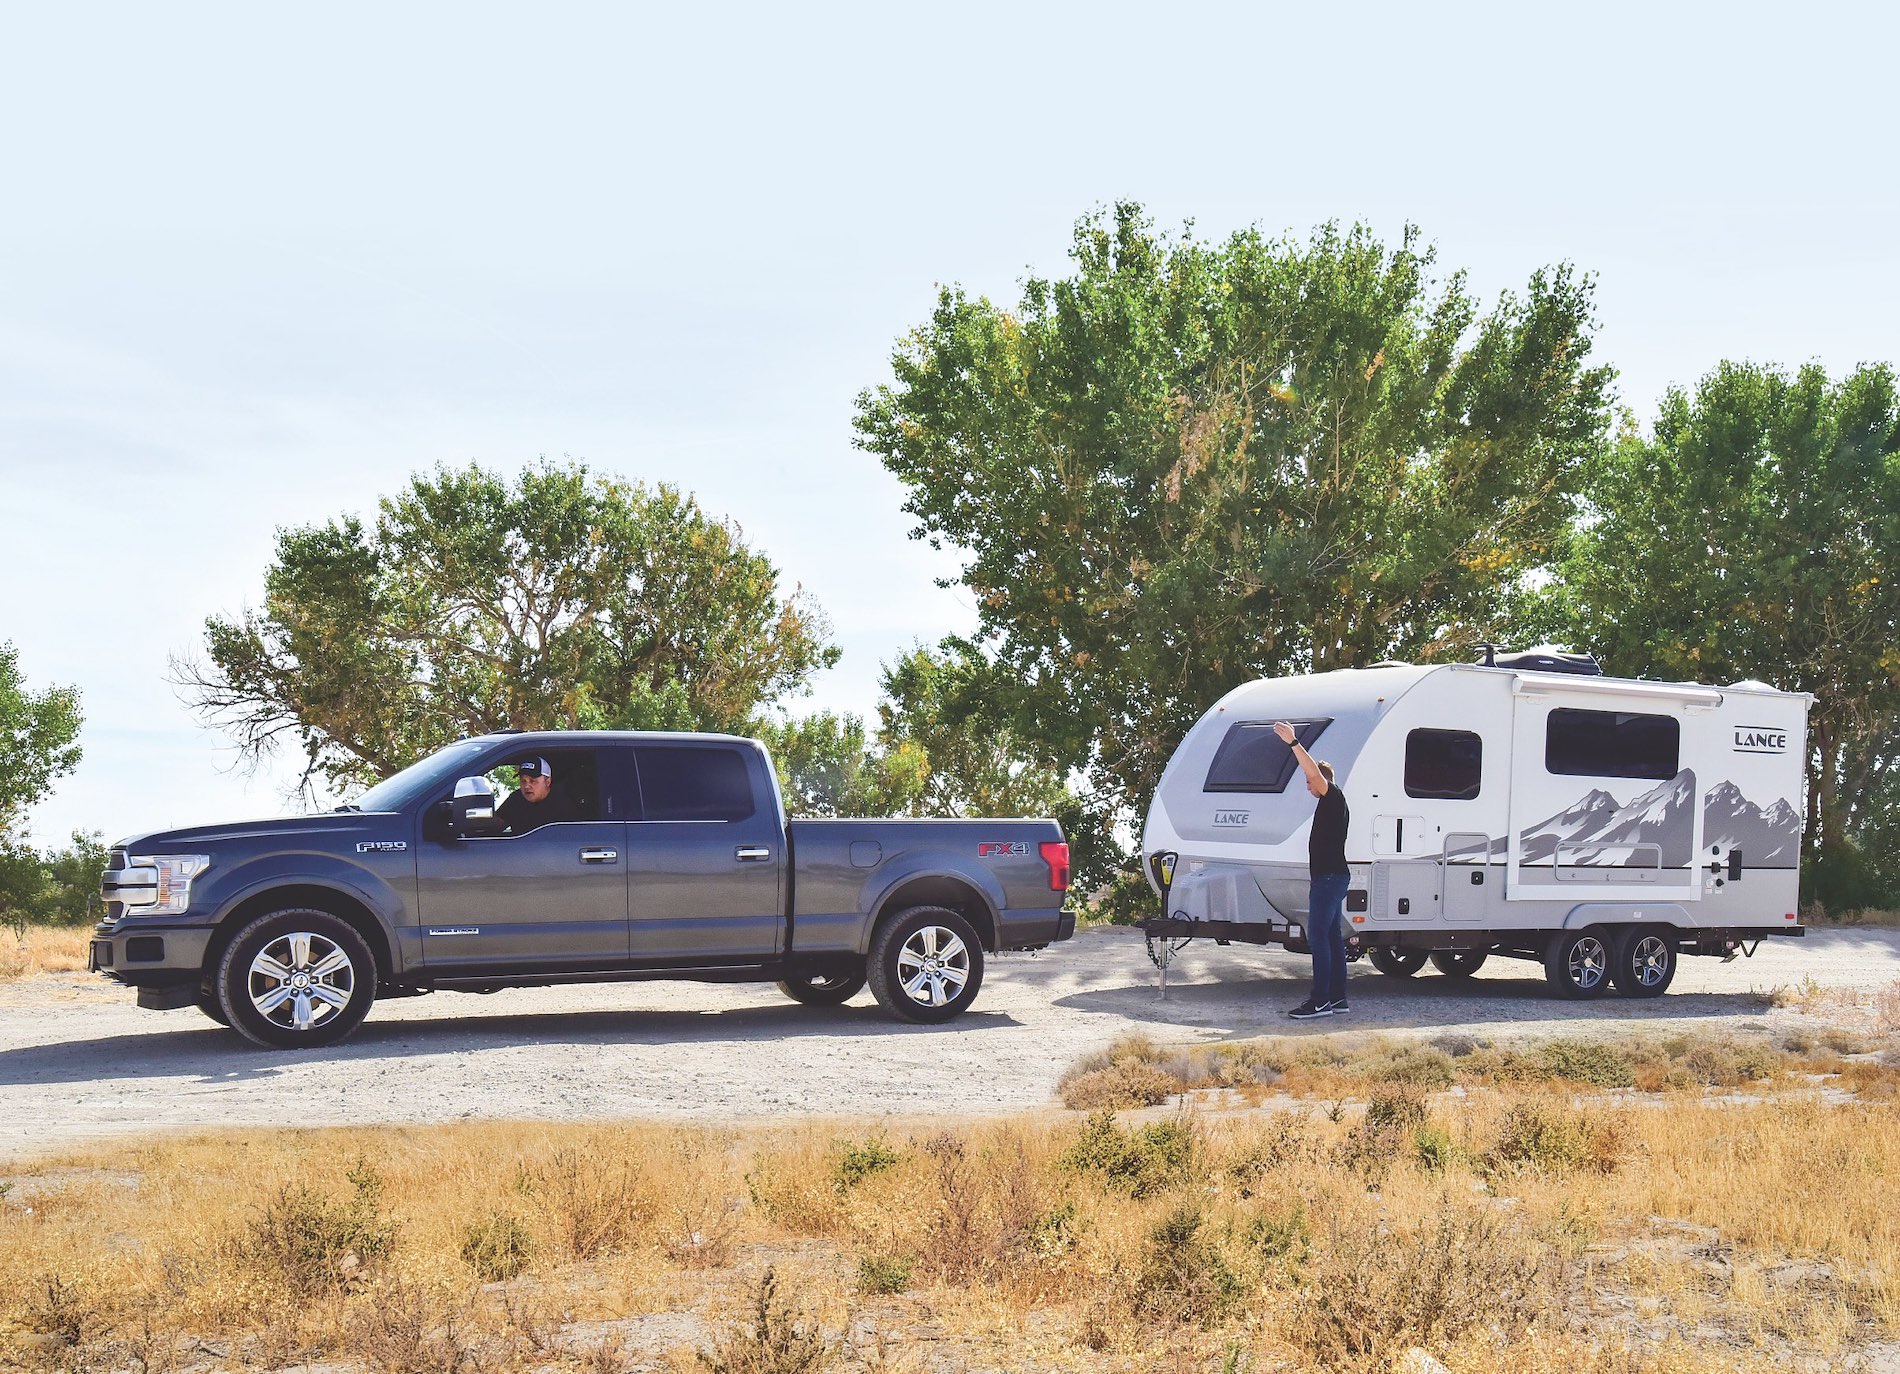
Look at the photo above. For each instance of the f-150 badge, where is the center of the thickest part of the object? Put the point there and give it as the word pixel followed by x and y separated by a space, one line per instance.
pixel 381 846
pixel 998 851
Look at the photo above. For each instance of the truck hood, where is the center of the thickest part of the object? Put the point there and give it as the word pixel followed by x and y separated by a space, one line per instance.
pixel 294 829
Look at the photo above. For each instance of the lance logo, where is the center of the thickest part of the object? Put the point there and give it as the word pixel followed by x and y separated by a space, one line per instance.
pixel 1232 817
pixel 1760 739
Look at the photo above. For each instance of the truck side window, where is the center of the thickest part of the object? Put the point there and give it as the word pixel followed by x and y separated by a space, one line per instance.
pixel 1252 759
pixel 1612 744
pixel 1443 763
pixel 686 783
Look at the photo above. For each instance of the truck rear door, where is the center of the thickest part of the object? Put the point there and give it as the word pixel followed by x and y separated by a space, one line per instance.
pixel 706 856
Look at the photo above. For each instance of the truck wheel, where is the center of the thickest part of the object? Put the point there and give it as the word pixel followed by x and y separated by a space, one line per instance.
pixel 296 979
pixel 208 1004
pixel 1458 963
pixel 819 990
pixel 926 964
pixel 1396 963
pixel 1643 961
pixel 1577 962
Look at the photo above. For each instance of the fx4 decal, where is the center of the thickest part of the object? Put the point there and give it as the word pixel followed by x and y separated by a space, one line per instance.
pixel 999 851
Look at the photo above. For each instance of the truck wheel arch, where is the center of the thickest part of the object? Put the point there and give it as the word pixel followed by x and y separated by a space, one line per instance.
pixel 343 905
pixel 936 889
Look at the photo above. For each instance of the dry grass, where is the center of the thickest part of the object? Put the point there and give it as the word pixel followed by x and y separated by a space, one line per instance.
pixel 1526 1225
pixel 42 949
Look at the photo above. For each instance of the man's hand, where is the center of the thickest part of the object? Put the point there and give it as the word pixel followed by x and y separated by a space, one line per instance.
pixel 1286 732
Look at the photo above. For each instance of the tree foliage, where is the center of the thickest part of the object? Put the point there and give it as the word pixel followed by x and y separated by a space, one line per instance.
pixel 39 738
pixel 1185 465
pixel 561 600
pixel 1752 535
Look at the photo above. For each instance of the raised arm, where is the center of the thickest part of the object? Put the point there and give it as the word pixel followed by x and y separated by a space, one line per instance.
pixel 1314 778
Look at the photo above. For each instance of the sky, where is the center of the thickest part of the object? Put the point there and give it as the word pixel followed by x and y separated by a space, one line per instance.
pixel 260 264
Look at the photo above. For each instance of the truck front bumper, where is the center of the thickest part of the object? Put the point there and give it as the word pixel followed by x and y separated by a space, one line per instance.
pixel 149 954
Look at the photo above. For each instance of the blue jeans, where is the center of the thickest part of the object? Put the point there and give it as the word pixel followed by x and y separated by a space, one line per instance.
pixel 1326 933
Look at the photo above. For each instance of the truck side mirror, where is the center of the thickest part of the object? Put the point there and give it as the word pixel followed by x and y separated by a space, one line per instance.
pixel 472 811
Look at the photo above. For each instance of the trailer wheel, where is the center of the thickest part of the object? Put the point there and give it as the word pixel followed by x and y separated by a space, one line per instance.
pixel 1458 963
pixel 296 979
pixel 1394 962
pixel 926 964
pixel 1644 962
pixel 1577 962
pixel 821 990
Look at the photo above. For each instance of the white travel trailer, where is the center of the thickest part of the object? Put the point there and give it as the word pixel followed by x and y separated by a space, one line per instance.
pixel 1528 807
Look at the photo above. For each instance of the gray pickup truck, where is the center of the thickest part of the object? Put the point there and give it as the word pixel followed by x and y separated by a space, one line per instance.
pixel 679 863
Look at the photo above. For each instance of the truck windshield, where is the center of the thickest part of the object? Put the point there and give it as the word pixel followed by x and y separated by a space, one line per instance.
pixel 397 791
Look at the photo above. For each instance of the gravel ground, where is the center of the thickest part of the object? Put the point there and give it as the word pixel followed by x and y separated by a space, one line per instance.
pixel 79 1061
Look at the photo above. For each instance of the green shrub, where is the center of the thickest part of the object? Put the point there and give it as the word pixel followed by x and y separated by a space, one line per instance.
pixel 497 1248
pixel 1184 1276
pixel 1432 1147
pixel 1281 1239
pixel 1587 1061
pixel 1400 1104
pixel 1119 1087
pixel 857 1161
pixel 1142 1162
pixel 1555 1140
pixel 1424 1068
pixel 309 1241
pixel 879 1274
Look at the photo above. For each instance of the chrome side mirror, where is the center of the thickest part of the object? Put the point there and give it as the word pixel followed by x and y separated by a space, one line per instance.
pixel 472 811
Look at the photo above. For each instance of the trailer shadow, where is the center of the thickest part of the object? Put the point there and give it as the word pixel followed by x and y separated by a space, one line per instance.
pixel 211 1055
pixel 1248 1004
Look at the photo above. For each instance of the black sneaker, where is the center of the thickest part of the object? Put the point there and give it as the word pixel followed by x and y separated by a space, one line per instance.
pixel 1307 1010
pixel 1336 1008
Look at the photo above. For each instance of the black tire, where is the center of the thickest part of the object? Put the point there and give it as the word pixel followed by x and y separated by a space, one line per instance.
pixel 1396 963
pixel 1643 961
pixel 1577 963
pixel 266 1009
pixel 208 1004
pixel 819 990
pixel 910 968
pixel 1458 963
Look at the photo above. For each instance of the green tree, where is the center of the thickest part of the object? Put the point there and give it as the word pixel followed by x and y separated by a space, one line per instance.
pixel 828 766
pixel 561 600
pixel 1752 535
pixel 1186 465
pixel 39 738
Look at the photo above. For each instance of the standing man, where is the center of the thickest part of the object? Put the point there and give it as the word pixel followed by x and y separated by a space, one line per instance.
pixel 1326 897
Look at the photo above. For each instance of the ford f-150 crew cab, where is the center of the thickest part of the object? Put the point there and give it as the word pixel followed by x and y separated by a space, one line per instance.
pixel 679 863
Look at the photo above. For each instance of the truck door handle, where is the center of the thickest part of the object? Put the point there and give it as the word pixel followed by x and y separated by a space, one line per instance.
pixel 599 856
pixel 751 853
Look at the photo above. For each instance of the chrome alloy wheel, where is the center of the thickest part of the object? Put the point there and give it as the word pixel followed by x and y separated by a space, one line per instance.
pixel 933 966
pixel 1589 961
pixel 300 980
pixel 1649 960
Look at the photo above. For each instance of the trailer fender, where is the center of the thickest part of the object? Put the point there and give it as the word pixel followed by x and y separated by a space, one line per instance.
pixel 1628 914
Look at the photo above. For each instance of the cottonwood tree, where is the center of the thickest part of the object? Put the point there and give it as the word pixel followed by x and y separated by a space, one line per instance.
pixel 470 603
pixel 1752 534
pixel 1186 464
pixel 39 739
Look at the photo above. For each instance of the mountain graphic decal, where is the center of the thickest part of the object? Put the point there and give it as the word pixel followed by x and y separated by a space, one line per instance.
pixel 1768 838
pixel 1597 829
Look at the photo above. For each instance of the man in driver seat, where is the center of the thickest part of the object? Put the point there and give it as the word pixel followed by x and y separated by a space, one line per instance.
pixel 535 803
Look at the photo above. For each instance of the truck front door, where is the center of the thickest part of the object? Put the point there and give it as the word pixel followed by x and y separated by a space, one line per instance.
pixel 553 898
pixel 705 858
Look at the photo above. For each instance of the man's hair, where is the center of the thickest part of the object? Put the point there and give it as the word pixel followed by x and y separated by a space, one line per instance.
pixel 1325 769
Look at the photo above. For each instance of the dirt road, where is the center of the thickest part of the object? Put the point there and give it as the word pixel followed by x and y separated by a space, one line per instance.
pixel 79 1061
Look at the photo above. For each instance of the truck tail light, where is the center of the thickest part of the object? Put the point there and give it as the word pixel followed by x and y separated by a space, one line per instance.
pixel 1055 853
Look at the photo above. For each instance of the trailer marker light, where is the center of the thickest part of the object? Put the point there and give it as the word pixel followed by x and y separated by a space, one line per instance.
pixel 1358 920
pixel 1788 916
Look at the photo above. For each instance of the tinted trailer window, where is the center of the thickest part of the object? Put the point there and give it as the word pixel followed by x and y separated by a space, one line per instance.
pixel 1612 744
pixel 1443 763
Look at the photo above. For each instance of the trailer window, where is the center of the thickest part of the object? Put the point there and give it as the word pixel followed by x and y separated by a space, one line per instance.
pixel 689 783
pixel 1252 759
pixel 1612 744
pixel 1443 763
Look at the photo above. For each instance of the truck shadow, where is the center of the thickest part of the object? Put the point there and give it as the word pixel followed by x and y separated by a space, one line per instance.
pixel 207 1054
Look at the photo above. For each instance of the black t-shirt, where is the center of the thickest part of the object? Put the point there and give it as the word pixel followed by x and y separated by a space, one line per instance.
pixel 1326 846
pixel 521 815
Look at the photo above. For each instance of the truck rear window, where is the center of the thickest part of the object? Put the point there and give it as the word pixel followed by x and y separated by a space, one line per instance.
pixel 1252 759
pixel 693 784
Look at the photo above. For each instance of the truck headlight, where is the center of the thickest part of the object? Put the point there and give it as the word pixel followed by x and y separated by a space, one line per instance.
pixel 172 894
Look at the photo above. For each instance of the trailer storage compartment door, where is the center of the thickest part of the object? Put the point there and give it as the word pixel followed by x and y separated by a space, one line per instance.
pixel 1604 805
